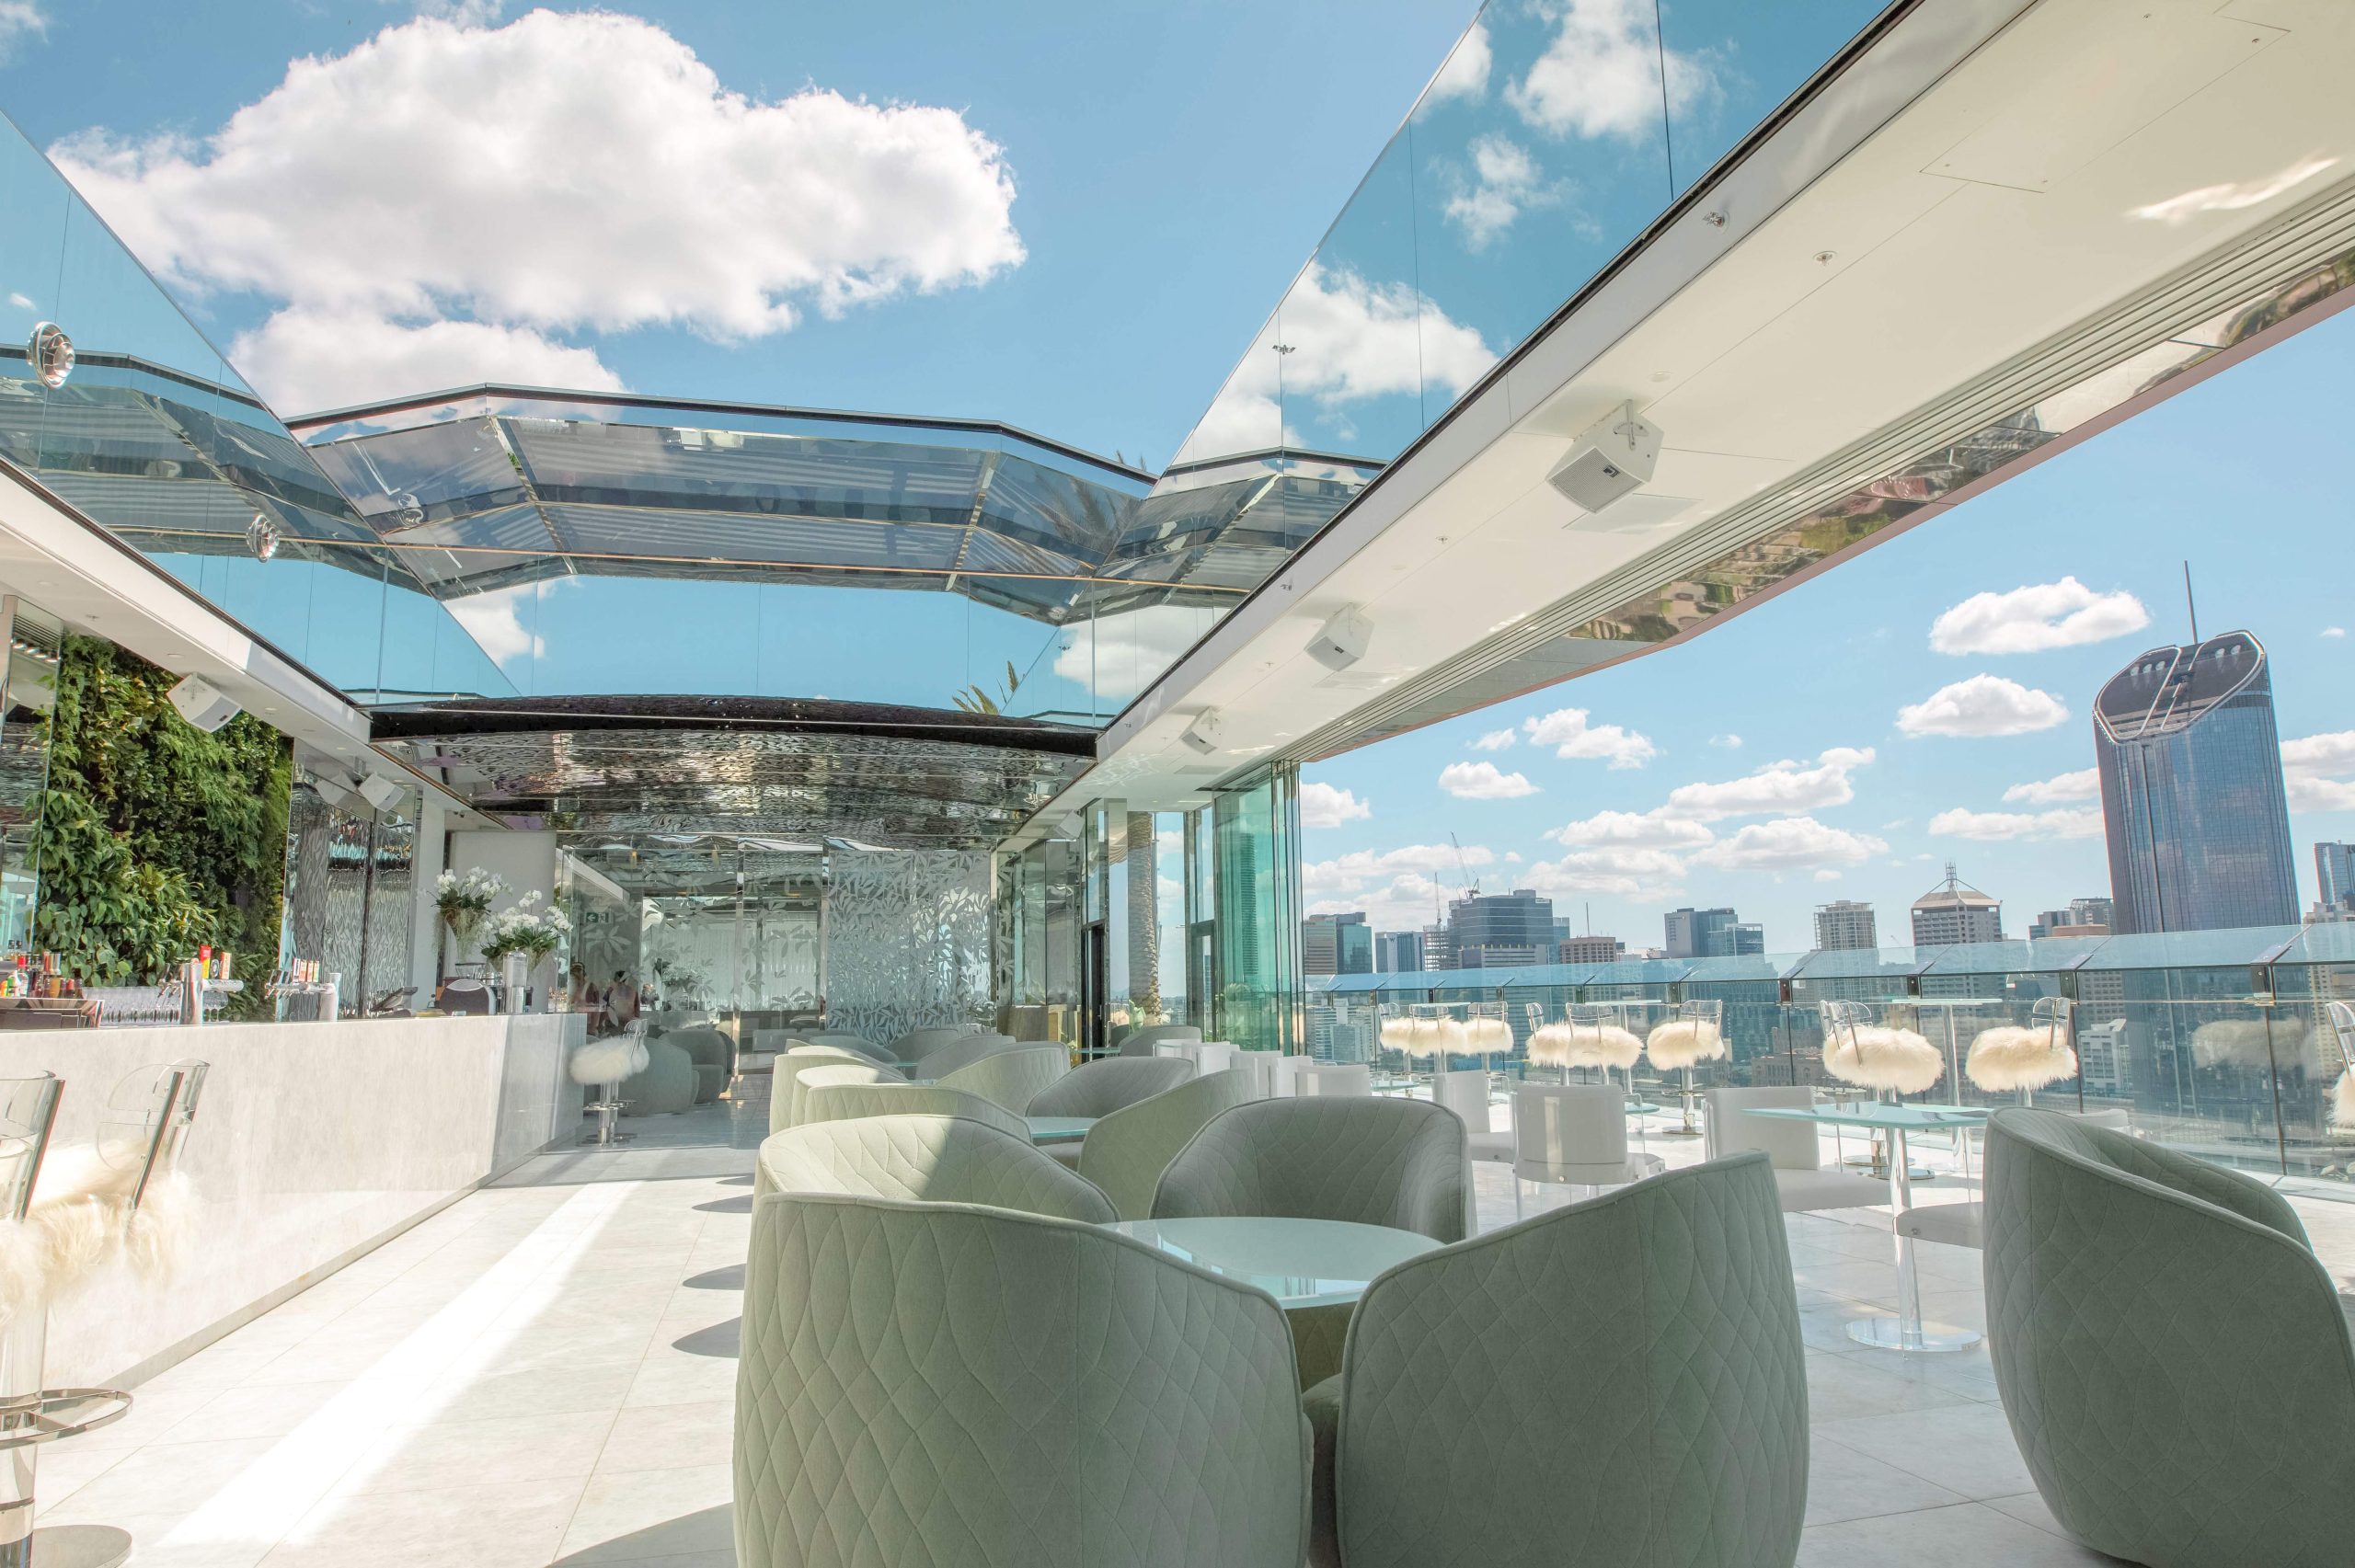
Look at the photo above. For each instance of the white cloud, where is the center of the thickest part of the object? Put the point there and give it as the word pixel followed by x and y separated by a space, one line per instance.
pixel 1407 902
pixel 496 621
pixel 1791 844
pixel 1783 786
pixel 568 170
pixel 2334 631
pixel 19 20
pixel 1512 857
pixel 1349 339
pixel 1119 655
pixel 1359 867
pixel 1465 74
pixel 1328 806
pixel 2082 784
pixel 1505 182
pixel 1601 76
pixel 1495 741
pixel 1572 737
pixel 1483 781
pixel 314 360
pixel 2042 616
pixel 2317 769
pixel 1990 827
pixel 1628 873
pixel 1726 742
pixel 1629 830
pixel 1985 705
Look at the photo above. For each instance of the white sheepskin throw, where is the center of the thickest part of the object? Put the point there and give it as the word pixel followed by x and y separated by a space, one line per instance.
pixel 1684 1041
pixel 2342 1103
pixel 2232 1042
pixel 1883 1057
pixel 1549 1045
pixel 82 1215
pixel 1436 1037
pixel 1601 1045
pixel 1396 1032
pixel 1487 1036
pixel 608 1061
pixel 2009 1057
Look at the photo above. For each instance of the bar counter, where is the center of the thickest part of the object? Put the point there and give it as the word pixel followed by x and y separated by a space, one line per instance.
pixel 313 1143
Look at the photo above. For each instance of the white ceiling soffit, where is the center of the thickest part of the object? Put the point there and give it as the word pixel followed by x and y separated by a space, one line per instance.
pixel 1978 243
pixel 56 560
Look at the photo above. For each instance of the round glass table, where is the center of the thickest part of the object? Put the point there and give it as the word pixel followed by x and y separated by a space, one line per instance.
pixel 1301 1263
pixel 1059 1129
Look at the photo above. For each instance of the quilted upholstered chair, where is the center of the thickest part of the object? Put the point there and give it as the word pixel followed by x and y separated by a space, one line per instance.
pixel 1140 1041
pixel 928 1385
pixel 1099 1088
pixel 1127 1150
pixel 1010 1078
pixel 2175 1362
pixel 918 1044
pixel 1404 1164
pixel 848 1102
pixel 1618 1381
pixel 790 1089
pixel 925 1160
pixel 962 1053
pixel 664 1086
pixel 849 1041
pixel 713 1055
pixel 1965 1224
pixel 1793 1146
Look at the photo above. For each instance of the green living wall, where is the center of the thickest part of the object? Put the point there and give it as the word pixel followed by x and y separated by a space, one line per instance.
pixel 156 836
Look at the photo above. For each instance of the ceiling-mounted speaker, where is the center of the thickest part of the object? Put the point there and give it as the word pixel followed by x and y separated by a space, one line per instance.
pixel 1611 459
pixel 1204 733
pixel 381 793
pixel 1343 640
pixel 202 706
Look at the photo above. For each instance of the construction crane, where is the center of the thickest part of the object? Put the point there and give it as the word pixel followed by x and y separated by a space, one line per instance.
pixel 1463 872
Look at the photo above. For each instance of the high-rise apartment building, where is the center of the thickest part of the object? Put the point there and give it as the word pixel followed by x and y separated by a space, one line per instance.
pixel 1336 945
pixel 1397 952
pixel 1734 941
pixel 2335 875
pixel 1711 933
pixel 1845 925
pixel 1490 931
pixel 1954 912
pixel 2191 790
pixel 1438 948
pixel 1589 950
pixel 2083 917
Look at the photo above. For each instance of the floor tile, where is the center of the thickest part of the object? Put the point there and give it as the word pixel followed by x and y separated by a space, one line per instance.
pixel 670 1437
pixel 515 1526
pixel 1966 1448
pixel 631 1515
pixel 501 1450
pixel 1964 1536
pixel 1844 1484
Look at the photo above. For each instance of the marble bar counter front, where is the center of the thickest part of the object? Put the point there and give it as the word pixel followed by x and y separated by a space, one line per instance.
pixel 312 1144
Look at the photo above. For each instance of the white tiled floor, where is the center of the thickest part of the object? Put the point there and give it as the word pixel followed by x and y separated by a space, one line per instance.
pixel 543 1373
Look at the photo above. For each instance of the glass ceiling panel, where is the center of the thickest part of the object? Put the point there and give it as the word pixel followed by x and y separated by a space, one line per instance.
pixel 1863 962
pixel 2192 949
pixel 2040 955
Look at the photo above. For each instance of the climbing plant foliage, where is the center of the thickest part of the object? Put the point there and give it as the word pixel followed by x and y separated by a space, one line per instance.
pixel 154 836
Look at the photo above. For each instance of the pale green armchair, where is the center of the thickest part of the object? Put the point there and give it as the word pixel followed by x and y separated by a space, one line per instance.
pixel 2174 1360
pixel 664 1086
pixel 1127 1150
pixel 925 1159
pixel 926 1385
pixel 1404 1164
pixel 1011 1077
pixel 714 1054
pixel 796 1076
pixel 1112 1083
pixel 848 1102
pixel 1618 1381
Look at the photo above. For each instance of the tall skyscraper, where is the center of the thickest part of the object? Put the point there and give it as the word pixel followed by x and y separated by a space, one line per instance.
pixel 1489 931
pixel 1336 945
pixel 2334 875
pixel 2191 790
pixel 1397 952
pixel 1954 912
pixel 1689 930
pixel 2083 917
pixel 1845 925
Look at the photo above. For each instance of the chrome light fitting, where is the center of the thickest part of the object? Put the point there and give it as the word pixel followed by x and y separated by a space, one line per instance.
pixel 52 353
pixel 261 536
pixel 1613 457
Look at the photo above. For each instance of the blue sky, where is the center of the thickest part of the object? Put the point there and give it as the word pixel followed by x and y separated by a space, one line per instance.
pixel 2245 476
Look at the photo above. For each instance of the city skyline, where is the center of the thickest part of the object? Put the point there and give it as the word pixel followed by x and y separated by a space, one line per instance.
pixel 1950 679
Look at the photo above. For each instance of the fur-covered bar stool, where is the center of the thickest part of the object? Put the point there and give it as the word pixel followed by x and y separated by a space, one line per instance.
pixel 2027 1059
pixel 603 1066
pixel 1693 1034
pixel 64 1214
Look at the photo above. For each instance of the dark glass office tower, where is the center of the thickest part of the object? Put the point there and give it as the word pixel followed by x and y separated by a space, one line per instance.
pixel 2191 790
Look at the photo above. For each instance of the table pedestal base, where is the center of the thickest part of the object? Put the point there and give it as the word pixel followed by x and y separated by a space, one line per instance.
pixel 1889 1334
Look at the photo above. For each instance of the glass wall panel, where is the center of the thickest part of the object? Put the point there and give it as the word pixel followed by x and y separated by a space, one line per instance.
pixel 1732 63
pixel 1256 828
